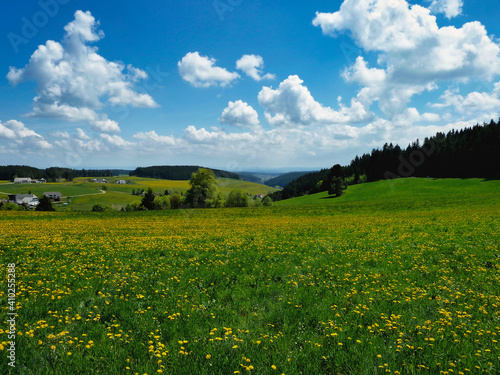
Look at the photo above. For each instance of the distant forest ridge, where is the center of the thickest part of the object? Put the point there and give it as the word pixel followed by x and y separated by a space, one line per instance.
pixel 181 172
pixel 285 179
pixel 467 153
pixel 52 174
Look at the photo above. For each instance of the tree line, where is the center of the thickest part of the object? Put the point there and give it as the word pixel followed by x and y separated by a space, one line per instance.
pixel 178 173
pixel 467 153
pixel 52 174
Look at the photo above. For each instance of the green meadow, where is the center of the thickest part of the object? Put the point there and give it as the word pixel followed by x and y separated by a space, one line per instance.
pixel 401 280
pixel 82 195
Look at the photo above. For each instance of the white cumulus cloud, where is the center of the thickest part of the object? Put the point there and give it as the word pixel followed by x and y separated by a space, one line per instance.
pixel 240 115
pixel 415 54
pixel 292 104
pixel 252 66
pixel 450 8
pixel 105 125
pixel 22 138
pixel 473 103
pixel 116 141
pixel 74 82
pixel 152 137
pixel 200 71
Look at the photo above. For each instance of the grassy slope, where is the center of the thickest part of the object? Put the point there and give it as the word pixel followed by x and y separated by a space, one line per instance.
pixel 118 196
pixel 67 189
pixel 407 193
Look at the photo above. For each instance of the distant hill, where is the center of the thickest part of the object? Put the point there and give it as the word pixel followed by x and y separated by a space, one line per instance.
pixel 257 177
pixel 177 172
pixel 285 179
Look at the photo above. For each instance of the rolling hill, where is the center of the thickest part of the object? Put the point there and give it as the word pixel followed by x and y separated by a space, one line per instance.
pixel 407 193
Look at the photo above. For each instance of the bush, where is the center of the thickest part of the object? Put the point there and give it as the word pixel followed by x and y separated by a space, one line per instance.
pixel 237 198
pixel 9 206
pixel 175 201
pixel 98 208
pixel 267 201
pixel 162 203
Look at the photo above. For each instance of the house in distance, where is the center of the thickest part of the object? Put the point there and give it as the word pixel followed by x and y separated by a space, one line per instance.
pixel 54 195
pixel 22 180
pixel 29 200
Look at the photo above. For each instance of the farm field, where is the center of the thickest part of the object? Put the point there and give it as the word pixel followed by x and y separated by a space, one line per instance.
pixel 403 284
pixel 67 189
pixel 84 194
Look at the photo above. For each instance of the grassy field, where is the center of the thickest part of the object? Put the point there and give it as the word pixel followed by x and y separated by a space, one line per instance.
pixel 67 189
pixel 84 194
pixel 407 193
pixel 347 286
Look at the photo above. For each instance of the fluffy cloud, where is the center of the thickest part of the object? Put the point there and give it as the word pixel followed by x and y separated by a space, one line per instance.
pixel 74 81
pixel 22 138
pixel 152 138
pixel 61 134
pixel 80 134
pixel 379 86
pixel 240 115
pixel 291 104
pixel 200 71
pixel 450 8
pixel 116 141
pixel 414 52
pixel 252 66
pixel 105 125
pixel 473 103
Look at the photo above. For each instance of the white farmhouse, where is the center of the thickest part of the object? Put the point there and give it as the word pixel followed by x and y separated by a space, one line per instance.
pixel 22 180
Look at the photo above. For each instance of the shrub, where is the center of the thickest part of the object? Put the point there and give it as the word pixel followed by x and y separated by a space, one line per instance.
pixel 237 198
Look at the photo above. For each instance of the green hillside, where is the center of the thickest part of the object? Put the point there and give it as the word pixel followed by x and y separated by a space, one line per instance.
pixel 411 193
pixel 66 188
pixel 83 194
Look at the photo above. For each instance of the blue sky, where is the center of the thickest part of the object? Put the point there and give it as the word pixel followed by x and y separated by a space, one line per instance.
pixel 239 85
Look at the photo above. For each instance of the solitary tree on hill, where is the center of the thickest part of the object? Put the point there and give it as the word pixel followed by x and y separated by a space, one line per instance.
pixel 202 191
pixel 148 201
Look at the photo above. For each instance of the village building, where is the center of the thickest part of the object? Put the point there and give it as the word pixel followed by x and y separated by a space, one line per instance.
pixel 22 180
pixel 54 195
pixel 29 200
